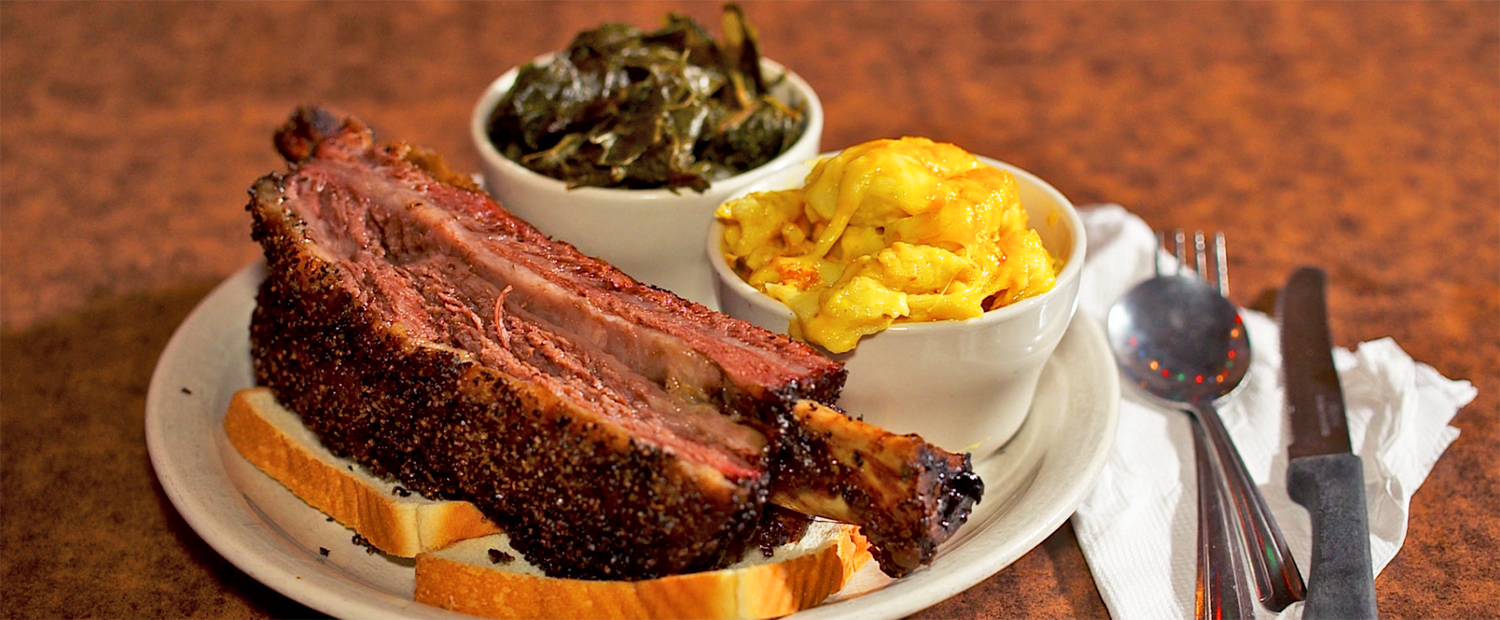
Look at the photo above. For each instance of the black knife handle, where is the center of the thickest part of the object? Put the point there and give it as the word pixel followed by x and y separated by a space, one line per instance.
pixel 1340 582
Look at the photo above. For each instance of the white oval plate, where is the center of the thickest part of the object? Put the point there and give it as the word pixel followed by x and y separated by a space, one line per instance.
pixel 1032 484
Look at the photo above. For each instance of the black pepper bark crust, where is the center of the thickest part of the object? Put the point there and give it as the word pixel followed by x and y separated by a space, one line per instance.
pixel 579 500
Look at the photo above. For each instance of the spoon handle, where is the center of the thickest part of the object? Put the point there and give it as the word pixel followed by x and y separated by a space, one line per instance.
pixel 1222 593
pixel 1277 579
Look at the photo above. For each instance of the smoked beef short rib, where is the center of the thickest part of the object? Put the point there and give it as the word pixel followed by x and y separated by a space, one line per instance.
pixel 614 430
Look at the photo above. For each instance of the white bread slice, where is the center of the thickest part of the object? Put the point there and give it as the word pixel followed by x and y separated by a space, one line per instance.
pixel 466 578
pixel 274 439
pixel 451 541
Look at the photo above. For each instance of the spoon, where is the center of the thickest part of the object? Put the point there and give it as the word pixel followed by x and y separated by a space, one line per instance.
pixel 1180 341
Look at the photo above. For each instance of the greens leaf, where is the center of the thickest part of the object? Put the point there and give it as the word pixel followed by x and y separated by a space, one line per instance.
pixel 624 108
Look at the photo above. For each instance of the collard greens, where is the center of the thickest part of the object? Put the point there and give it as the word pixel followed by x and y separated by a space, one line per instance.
pixel 630 109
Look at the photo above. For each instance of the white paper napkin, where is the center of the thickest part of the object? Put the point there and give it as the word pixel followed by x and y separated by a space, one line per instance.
pixel 1138 528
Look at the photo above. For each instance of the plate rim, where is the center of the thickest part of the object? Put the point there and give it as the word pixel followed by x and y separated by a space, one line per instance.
pixel 224 518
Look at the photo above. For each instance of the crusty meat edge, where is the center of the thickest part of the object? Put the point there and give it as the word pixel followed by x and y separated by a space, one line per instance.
pixel 579 498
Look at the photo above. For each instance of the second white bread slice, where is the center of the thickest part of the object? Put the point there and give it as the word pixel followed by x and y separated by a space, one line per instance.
pixel 486 577
pixel 391 519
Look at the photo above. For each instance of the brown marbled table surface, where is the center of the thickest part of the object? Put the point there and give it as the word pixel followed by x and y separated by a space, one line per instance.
pixel 1361 137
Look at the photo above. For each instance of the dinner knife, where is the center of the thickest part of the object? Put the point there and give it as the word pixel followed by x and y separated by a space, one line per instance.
pixel 1323 474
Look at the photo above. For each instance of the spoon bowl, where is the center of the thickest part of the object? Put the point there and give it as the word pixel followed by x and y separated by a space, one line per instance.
pixel 1179 341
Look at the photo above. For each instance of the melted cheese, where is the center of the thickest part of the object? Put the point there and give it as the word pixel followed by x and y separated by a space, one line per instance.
pixel 885 232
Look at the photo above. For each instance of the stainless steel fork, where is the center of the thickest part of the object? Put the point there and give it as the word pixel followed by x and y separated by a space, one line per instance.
pixel 1278 581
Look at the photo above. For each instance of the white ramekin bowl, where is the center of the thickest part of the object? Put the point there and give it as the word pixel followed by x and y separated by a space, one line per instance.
pixel 654 235
pixel 964 385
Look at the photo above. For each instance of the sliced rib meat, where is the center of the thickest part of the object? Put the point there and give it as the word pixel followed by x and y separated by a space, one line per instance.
pixel 614 429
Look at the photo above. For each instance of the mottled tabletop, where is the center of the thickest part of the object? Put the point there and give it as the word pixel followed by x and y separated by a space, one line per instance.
pixel 1360 137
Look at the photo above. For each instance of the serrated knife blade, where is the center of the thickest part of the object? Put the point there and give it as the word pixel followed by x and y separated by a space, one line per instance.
pixel 1323 474
pixel 1314 398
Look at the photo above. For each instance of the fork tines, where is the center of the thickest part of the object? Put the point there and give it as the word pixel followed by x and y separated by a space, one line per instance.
pixel 1219 276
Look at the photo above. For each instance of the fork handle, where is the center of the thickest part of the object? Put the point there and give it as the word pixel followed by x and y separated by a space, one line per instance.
pixel 1221 591
pixel 1277 578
